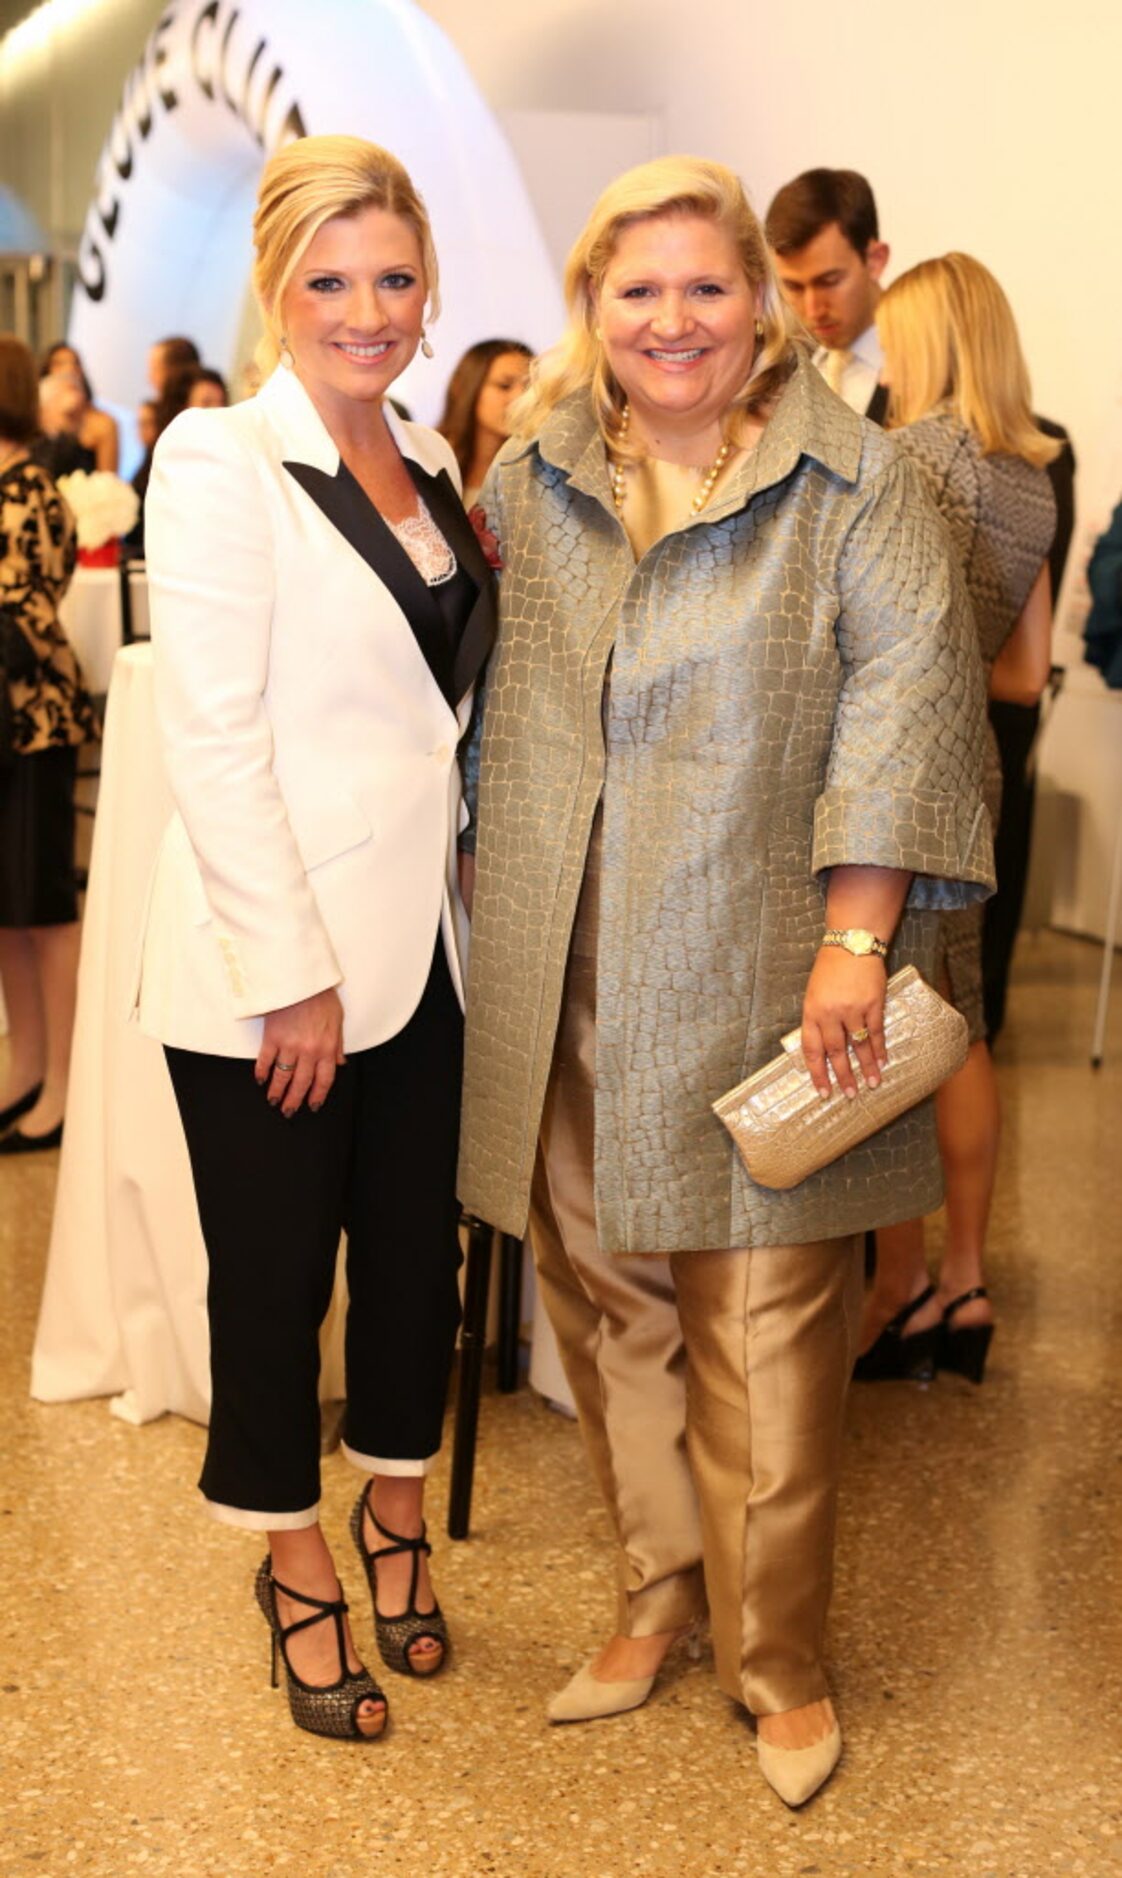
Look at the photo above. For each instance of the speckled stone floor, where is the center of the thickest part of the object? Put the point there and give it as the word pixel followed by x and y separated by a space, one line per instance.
pixel 976 1645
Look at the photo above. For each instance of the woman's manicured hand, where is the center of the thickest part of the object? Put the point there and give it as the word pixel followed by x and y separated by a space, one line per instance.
pixel 844 997
pixel 300 1050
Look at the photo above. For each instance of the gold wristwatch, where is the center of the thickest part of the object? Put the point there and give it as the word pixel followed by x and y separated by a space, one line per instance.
pixel 858 940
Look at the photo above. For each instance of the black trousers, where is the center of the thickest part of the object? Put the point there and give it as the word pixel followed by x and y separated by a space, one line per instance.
pixel 378 1162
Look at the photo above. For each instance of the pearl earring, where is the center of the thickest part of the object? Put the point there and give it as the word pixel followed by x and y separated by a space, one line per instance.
pixel 426 349
pixel 286 357
pixel 759 329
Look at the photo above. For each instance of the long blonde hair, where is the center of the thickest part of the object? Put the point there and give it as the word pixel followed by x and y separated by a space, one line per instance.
pixel 675 185
pixel 949 338
pixel 305 184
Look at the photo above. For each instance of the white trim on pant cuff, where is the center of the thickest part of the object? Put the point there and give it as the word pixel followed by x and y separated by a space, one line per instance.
pixel 261 1522
pixel 402 1470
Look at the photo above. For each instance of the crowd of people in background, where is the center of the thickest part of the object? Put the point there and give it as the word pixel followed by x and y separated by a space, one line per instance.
pixel 673 268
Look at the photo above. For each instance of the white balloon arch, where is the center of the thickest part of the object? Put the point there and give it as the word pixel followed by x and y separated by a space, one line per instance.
pixel 166 246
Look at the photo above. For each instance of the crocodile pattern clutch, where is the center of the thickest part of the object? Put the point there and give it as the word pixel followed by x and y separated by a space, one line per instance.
pixel 786 1131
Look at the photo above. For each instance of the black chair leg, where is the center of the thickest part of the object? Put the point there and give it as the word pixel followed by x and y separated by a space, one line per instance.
pixel 510 1310
pixel 473 1342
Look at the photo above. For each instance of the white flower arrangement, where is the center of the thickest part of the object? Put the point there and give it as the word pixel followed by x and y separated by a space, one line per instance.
pixel 103 506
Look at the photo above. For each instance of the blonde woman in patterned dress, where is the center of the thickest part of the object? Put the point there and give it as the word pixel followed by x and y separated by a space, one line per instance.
pixel 46 715
pixel 726 765
pixel 960 408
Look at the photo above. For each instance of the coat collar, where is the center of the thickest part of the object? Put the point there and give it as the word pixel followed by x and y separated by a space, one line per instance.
pixel 807 421
pixel 313 460
pixel 305 438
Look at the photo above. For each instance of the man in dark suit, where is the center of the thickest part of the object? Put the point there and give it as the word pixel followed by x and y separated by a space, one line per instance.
pixel 823 233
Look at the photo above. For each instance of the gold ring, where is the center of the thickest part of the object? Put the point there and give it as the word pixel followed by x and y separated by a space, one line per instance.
pixel 289 1067
pixel 859 1036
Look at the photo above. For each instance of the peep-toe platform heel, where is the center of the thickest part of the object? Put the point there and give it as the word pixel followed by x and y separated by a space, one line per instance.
pixel 398 1635
pixel 323 1709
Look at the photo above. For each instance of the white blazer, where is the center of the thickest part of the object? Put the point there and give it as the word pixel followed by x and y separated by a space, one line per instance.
pixel 310 748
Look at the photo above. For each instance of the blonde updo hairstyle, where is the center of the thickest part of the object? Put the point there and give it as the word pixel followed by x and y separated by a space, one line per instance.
pixel 950 342
pixel 307 183
pixel 675 185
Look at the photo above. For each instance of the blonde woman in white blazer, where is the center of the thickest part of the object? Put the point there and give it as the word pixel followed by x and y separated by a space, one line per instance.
pixel 320 610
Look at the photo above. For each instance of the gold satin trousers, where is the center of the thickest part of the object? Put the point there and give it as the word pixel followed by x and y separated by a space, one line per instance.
pixel 710 1389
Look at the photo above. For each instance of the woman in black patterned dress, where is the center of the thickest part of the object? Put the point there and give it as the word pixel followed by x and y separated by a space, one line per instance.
pixel 45 713
pixel 959 392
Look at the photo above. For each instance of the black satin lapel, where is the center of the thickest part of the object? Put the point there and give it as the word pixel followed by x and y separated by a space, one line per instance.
pixel 481 625
pixel 350 510
pixel 877 408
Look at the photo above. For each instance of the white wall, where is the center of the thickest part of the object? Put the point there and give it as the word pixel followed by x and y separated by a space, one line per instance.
pixel 987 125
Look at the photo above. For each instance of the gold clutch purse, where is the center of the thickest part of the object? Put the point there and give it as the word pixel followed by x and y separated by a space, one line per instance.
pixel 785 1130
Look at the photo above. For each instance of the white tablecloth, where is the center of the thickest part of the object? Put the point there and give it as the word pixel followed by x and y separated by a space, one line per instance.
pixel 90 612
pixel 123 1310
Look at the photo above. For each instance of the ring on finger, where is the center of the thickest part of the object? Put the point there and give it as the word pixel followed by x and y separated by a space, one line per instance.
pixel 858 1036
pixel 287 1068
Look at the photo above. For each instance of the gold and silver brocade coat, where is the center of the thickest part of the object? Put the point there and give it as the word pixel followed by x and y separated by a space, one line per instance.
pixel 795 684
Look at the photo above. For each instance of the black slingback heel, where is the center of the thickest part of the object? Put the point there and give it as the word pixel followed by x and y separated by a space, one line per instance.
pixel 964 1351
pixel 895 1357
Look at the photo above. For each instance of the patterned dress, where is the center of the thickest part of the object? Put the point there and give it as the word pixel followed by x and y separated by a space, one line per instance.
pixel 1002 515
pixel 52 708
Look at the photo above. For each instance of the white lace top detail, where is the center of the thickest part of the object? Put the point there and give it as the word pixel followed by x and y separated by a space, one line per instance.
pixel 425 546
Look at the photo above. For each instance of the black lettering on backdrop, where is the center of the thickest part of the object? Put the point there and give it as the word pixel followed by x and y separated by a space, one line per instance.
pixel 150 84
pixel 168 98
pixel 226 38
pixel 259 128
pixel 293 126
pixel 204 77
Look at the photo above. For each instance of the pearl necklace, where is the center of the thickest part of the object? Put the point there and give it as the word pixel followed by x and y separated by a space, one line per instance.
pixel 708 481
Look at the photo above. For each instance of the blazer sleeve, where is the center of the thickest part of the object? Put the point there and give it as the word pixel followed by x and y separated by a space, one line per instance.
pixel 904 779
pixel 212 585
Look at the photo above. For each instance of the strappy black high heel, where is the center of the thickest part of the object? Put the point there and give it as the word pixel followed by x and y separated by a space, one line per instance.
pixel 397 1635
pixel 964 1351
pixel 326 1709
pixel 896 1357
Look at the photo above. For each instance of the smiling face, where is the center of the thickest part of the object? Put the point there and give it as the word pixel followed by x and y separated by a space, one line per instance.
pixel 353 311
pixel 833 289
pixel 677 321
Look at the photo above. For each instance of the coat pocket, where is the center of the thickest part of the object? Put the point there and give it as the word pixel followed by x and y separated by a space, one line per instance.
pixel 326 826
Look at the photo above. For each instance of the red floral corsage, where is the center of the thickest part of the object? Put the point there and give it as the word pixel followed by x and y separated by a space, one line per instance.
pixel 487 541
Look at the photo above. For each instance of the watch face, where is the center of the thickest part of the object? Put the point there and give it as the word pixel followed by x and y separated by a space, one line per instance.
pixel 860 943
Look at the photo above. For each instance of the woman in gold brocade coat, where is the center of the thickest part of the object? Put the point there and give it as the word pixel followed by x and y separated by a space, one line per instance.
pixel 735 703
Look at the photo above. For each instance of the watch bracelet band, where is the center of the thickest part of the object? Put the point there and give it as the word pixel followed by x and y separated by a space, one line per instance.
pixel 836 936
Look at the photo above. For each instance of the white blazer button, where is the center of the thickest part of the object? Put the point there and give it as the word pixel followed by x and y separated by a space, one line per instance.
pixel 442 752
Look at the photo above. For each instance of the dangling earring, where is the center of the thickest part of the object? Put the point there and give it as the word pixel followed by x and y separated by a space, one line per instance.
pixel 426 349
pixel 759 329
pixel 286 357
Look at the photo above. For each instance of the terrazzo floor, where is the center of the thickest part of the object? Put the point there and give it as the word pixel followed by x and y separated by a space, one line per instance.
pixel 976 1646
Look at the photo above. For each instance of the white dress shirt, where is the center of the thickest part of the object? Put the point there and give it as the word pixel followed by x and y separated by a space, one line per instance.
pixel 862 374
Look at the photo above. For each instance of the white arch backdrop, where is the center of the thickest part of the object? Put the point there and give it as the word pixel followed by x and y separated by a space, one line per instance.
pixel 221 83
